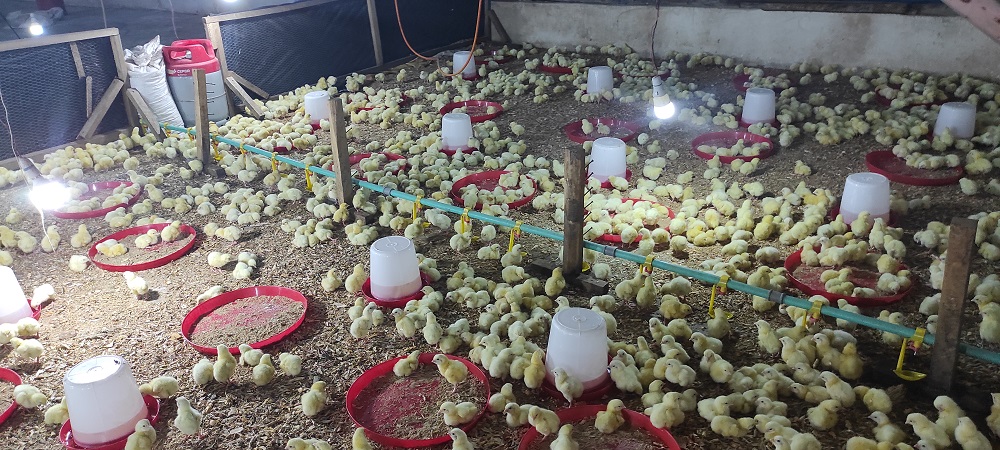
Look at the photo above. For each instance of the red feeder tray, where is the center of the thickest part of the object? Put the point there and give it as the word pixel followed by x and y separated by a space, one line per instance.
pixel 142 229
pixel 92 190
pixel 590 395
pixel 620 129
pixel 66 432
pixel 806 279
pixel 728 139
pixel 742 82
pixel 366 291
pixel 555 69
pixel 488 180
pixel 884 163
pixel 835 211
pixel 617 240
pixel 607 184
pixel 451 152
pixel 774 123
pixel 411 397
pixel 204 309
pixel 476 109
pixel 12 377
pixel 354 160
pixel 587 413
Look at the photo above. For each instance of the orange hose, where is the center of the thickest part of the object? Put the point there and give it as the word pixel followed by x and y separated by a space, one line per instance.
pixel 472 51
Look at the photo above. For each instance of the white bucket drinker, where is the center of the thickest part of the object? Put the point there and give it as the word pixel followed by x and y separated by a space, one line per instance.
pixel 865 191
pixel 103 400
pixel 578 344
pixel 758 106
pixel 317 105
pixel 13 304
pixel 456 130
pixel 394 268
pixel 607 158
pixel 458 60
pixel 599 79
pixel 960 117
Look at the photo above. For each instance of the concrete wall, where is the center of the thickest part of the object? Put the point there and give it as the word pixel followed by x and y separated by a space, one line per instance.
pixel 203 7
pixel 924 43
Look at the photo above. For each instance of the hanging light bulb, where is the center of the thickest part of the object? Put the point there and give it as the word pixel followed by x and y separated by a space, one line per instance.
pixel 663 108
pixel 44 194
pixel 35 28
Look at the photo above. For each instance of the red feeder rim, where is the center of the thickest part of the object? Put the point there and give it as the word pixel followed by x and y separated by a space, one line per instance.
pixel 774 123
pixel 354 160
pixel 884 163
pixel 464 149
pixel 204 309
pixel 620 129
pixel 142 229
pixel 555 69
pixel 66 432
pixel 607 184
pixel 13 378
pixel 589 395
pixel 793 261
pixel 101 186
pixel 617 240
pixel 476 109
pixel 589 412
pixel 835 211
pixel 728 139
pixel 385 369
pixel 366 291
pixel 488 180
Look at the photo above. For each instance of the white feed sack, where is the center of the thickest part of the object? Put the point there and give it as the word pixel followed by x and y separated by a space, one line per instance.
pixel 147 75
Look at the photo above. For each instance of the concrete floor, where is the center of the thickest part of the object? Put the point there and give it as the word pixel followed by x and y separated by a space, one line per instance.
pixel 136 26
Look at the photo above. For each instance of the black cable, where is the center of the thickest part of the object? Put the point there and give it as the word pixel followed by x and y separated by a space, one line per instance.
pixel 652 38
pixel 11 26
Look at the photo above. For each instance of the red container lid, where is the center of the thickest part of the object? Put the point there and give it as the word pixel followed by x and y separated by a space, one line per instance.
pixel 807 280
pixel 182 56
pixel 488 180
pixel 202 310
pixel 587 413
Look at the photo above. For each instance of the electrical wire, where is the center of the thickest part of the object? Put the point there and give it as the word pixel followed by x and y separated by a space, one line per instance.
pixel 104 15
pixel 652 37
pixel 13 149
pixel 472 51
pixel 172 21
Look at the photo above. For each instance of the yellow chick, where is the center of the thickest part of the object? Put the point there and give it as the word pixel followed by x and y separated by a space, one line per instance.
pixel 290 364
pixel 928 431
pixel 968 436
pixel 405 366
pixel 81 238
pixel 453 371
pixel 516 415
pixel 458 414
pixel 160 387
pixel 57 414
pixel 565 440
pixel 612 418
pixel 356 279
pixel 824 415
pixel 264 372
pixel 459 440
pixel 729 427
pixel 567 385
pixel 249 356
pixel 499 401
pixel 993 420
pixel 948 413
pixel 27 348
pixel 188 420
pixel 201 373
pixel 886 431
pixel 224 366
pixel 143 437
pixel 314 400
pixel 534 374
pixel 359 441
pixel 29 397
pixel 545 422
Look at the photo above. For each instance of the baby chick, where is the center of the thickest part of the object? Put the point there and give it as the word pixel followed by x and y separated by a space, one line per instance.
pixel 290 364
pixel 136 284
pixel 57 414
pixel 314 400
pixel 359 441
pixel 264 372
pixel 545 422
pixel 459 440
pixel 609 420
pixel 27 348
pixel 498 401
pixel 458 414
pixel 29 397
pixel 565 440
pixel 405 366
pixel 224 366
pixel 160 387
pixel 188 419
pixel 567 385
pixel 453 371
pixel 202 372
pixel 143 437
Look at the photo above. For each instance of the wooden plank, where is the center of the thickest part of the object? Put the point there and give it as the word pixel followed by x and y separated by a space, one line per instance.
pixel 343 187
pixel 576 179
pixel 263 11
pixel 147 114
pixel 944 356
pixel 376 36
pixel 498 27
pixel 75 50
pixel 202 136
pixel 90 126
pixel 253 87
pixel 89 85
pixel 119 53
pixel 43 41
pixel 235 87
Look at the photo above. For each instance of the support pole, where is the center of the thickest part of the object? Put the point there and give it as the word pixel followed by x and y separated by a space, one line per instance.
pixel 201 130
pixel 576 179
pixel 376 35
pixel 944 356
pixel 344 187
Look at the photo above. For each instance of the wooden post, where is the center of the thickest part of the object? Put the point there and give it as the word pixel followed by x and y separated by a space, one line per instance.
pixel 376 35
pixel 576 179
pixel 344 187
pixel 152 122
pixel 252 107
pixel 498 28
pixel 201 129
pixel 90 126
pixel 944 356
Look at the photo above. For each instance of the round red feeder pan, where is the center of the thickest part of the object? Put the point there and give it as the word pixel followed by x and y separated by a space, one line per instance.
pixel 94 188
pixel 589 395
pixel 884 163
pixel 11 377
pixel 451 152
pixel 480 60
pixel 385 369
pixel 835 211
pixel 807 280
pixel 607 184
pixel 488 180
pixel 742 82
pixel 774 123
pixel 587 413
pixel 475 77
pixel 617 239
pixel 354 161
pixel 728 139
pixel 142 229
pixel 316 126
pixel 366 291
pixel 204 309
pixel 476 109
pixel 555 69
pixel 66 432
pixel 403 101
pixel 620 129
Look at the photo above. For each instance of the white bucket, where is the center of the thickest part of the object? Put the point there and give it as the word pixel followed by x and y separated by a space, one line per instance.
pixel 456 130
pixel 599 79
pixel 865 191
pixel 960 117
pixel 103 400
pixel 13 304
pixel 758 107
pixel 607 158
pixel 317 105
pixel 395 270
pixel 578 344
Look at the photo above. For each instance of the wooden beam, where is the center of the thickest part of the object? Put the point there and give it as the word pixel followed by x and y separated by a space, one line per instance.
pixel 201 130
pixel 944 356
pixel 214 34
pixel 983 14
pixel 75 50
pixel 263 11
pixel 253 87
pixel 576 179
pixel 89 85
pixel 376 36
pixel 43 41
pixel 251 105
pixel 147 114
pixel 343 187
pixel 498 27
pixel 119 53
pixel 90 126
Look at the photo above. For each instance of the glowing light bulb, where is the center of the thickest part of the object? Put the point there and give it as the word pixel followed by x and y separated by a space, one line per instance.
pixel 35 28
pixel 663 108
pixel 47 195
pixel 230 1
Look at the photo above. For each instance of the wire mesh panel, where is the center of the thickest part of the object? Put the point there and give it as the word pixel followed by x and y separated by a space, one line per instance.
pixel 282 51
pixel 429 24
pixel 47 100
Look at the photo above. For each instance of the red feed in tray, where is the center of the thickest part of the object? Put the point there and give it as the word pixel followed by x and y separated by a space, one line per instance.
pixel 884 163
pixel 488 180
pixel 476 109
pixel 729 139
pixel 588 413
pixel 142 229
pixel 66 432
pixel 620 129
pixel 807 280
pixel 95 189
pixel 205 309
